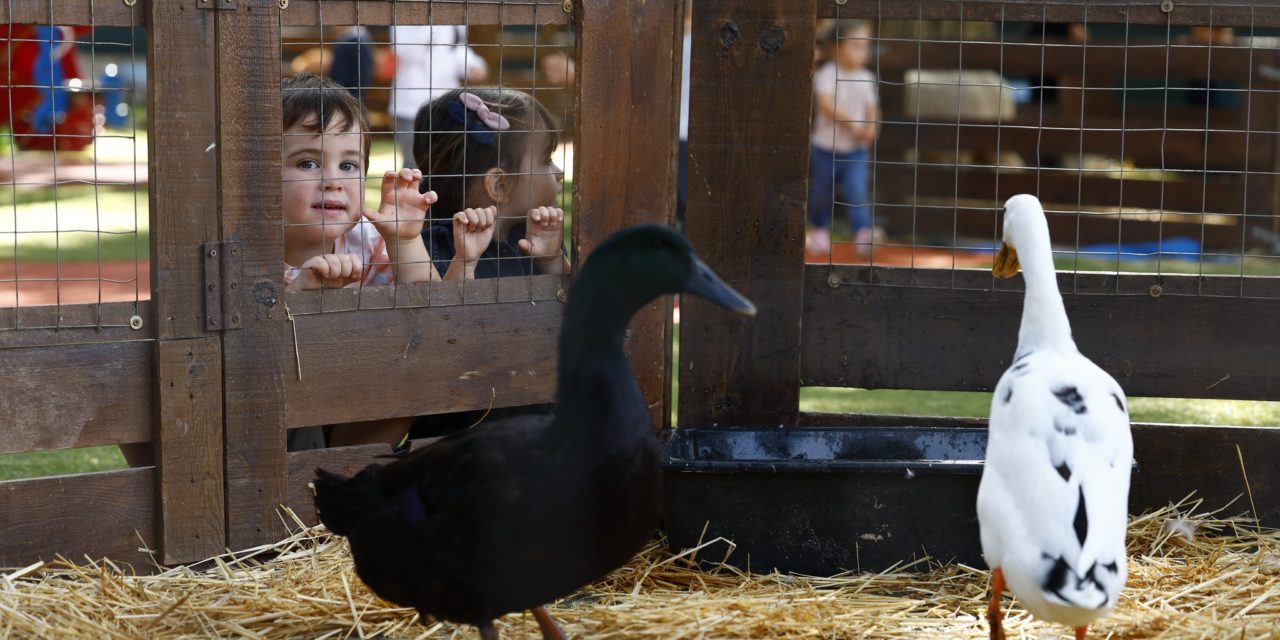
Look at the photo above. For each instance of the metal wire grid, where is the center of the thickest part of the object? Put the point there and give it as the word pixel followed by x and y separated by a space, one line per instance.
pixel 1245 261
pixel 499 58
pixel 77 219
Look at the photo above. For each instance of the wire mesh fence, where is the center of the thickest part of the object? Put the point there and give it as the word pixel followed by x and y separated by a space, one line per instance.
pixel 1151 140
pixel 480 105
pixel 74 219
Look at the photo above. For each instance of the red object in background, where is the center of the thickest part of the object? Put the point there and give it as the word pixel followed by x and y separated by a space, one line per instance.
pixel 20 47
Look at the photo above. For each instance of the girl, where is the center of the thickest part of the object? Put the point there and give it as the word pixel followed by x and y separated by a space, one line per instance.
pixel 487 148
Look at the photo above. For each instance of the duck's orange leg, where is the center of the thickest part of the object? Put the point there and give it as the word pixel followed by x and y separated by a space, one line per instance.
pixel 546 624
pixel 1081 631
pixel 993 607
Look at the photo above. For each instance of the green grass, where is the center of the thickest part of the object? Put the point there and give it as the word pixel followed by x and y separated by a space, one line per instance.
pixel 978 405
pixel 62 462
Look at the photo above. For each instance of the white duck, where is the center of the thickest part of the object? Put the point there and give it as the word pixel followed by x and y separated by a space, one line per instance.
pixel 1053 502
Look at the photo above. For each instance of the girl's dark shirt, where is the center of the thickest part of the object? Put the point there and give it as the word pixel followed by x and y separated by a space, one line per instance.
pixel 502 258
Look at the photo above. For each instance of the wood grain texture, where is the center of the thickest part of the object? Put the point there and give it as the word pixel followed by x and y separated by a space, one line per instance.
pixel 99 13
pixel 946 333
pixel 254 357
pixel 75 396
pixel 99 515
pixel 374 364
pixel 189 455
pixel 389 12
pixel 751 89
pixel 1174 461
pixel 626 118
pixel 74 324
pixel 181 141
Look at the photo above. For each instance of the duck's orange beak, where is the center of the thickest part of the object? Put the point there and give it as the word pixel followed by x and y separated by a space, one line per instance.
pixel 1006 264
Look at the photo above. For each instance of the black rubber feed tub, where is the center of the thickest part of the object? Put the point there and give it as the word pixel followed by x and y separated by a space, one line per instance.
pixel 821 500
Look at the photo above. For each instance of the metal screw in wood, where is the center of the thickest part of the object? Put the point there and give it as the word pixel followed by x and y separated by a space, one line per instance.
pixel 130 3
pixel 1167 6
pixel 567 6
pixel 842 2
pixel 284 4
pixel 1156 291
pixel 833 281
pixel 135 322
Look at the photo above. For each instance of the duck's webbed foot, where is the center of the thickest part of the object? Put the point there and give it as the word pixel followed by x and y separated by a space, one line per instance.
pixel 547 624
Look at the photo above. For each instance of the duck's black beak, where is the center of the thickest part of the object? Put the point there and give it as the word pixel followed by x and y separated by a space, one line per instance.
pixel 704 282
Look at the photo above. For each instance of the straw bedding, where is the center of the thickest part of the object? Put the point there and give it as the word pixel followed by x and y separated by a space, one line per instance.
pixel 1192 575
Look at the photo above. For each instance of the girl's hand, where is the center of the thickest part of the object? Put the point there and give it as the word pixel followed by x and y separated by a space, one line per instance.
pixel 544 233
pixel 403 211
pixel 329 271
pixel 473 232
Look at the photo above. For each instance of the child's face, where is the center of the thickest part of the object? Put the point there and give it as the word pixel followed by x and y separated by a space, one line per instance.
pixel 323 186
pixel 538 183
pixel 854 49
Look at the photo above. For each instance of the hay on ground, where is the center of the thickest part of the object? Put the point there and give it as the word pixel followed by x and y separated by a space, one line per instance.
pixel 1191 575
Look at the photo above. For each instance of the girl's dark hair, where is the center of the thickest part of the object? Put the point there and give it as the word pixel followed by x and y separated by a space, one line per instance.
pixel 454 148
pixel 314 102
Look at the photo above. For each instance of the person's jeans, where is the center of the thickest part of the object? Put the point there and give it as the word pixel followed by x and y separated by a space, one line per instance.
pixel 850 171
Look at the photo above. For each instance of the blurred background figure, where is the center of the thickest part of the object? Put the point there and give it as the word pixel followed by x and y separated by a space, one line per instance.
pixel 353 62
pixel 429 62
pixel 44 96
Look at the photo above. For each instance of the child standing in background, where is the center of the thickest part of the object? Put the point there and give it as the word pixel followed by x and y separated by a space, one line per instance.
pixel 491 149
pixel 846 110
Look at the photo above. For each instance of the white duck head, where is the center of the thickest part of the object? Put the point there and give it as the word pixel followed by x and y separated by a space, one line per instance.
pixel 1026 247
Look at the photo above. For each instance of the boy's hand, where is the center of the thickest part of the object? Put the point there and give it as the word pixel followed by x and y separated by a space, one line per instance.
pixel 329 271
pixel 403 211
pixel 544 233
pixel 473 232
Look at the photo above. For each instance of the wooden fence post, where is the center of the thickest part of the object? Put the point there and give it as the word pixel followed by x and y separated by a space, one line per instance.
pixel 750 93
pixel 184 215
pixel 631 66
pixel 254 356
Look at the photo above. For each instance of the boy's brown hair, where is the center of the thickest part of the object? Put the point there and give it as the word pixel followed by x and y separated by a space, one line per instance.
pixel 313 102
pixel 453 146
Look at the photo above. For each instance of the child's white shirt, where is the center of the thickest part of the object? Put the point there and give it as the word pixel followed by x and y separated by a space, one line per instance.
pixel 854 93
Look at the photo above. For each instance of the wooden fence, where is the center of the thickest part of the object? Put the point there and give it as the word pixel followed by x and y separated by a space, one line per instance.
pixel 210 377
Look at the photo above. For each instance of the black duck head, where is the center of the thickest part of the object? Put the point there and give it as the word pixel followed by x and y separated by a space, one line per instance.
pixel 640 263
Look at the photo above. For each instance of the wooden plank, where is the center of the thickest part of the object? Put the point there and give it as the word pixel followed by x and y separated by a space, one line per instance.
pixel 345 460
pixel 189 449
pixel 1100 63
pixel 181 144
pixel 626 121
pixel 254 363
pixel 98 13
pixel 99 515
pixel 400 362
pixel 951 330
pixel 1260 13
pixel 1212 193
pixel 75 396
pixel 1172 461
pixel 1146 146
pixel 75 324
pixel 390 12
pixel 752 68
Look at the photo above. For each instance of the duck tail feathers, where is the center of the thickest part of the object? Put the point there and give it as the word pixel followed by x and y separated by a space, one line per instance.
pixel 343 503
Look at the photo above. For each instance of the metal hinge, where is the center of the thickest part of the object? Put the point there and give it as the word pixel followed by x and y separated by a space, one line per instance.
pixel 222 274
pixel 216 5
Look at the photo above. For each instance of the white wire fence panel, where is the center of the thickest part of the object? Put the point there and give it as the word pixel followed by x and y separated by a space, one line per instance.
pixel 1151 143
pixel 74 214
pixel 399 59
